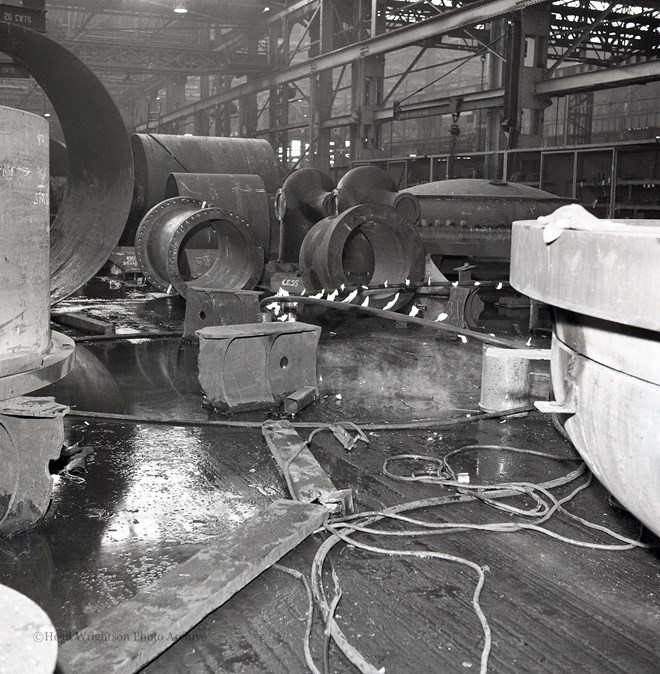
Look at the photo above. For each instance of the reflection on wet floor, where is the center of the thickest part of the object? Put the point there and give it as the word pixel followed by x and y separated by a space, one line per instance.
pixel 154 495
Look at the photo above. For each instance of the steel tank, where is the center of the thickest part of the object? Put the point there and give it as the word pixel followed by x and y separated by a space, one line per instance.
pixel 157 155
pixel 244 195
pixel 24 221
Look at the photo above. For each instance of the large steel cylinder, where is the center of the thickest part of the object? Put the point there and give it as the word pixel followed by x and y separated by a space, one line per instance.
pixel 24 219
pixel 365 244
pixel 371 185
pixel 307 196
pixel 158 155
pixel 244 195
pixel 473 218
pixel 99 186
pixel 180 242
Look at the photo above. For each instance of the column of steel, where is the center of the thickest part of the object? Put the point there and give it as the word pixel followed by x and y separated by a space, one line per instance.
pixel 278 110
pixel 320 88
pixel 247 105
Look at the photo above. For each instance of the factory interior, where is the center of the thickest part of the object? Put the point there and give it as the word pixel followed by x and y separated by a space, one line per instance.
pixel 329 336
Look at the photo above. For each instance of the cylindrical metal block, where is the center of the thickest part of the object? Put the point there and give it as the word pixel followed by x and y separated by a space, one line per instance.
pixel 24 218
pixel 307 196
pixel 244 195
pixel 366 244
pixel 231 258
pixel 505 379
pixel 157 155
pixel 99 183
pixel 371 185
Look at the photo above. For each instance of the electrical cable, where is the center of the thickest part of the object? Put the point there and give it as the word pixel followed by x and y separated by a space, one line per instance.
pixel 342 529
pixel 310 616
pixel 417 425
pixel 128 335
pixel 392 316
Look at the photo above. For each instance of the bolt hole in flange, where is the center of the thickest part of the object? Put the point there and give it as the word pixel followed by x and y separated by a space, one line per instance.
pixel 284 362
pixel 202 315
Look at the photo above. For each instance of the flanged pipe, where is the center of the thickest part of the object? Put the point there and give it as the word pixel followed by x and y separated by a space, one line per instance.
pixel 307 196
pixel 99 184
pixel 371 243
pixel 244 195
pixel 371 185
pixel 180 242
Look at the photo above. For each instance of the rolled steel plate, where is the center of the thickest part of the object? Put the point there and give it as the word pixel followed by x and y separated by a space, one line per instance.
pixel 99 187
pixel 158 155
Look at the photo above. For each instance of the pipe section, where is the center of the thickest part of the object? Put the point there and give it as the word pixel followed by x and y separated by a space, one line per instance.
pixel 367 244
pixel 244 195
pixel 371 185
pixel 158 155
pixel 180 242
pixel 307 196
pixel 99 186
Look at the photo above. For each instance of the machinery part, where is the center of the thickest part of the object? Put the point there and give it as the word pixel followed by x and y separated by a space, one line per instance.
pixel 29 644
pixel 256 366
pixel 181 243
pixel 31 435
pixel 298 400
pixel 244 195
pixel 24 274
pixel 371 185
pixel 307 196
pixel 368 244
pixel 206 307
pixel 306 479
pixel 473 218
pixel 605 362
pixel 99 185
pixel 158 155
pixel 506 381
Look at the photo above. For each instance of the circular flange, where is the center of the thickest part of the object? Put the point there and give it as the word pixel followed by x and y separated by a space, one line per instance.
pixel 56 363
pixel 164 231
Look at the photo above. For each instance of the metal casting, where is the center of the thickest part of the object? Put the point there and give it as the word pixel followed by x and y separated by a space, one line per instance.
pixel 180 242
pixel 31 435
pixel 306 197
pixel 256 366
pixel 368 244
pixel 371 185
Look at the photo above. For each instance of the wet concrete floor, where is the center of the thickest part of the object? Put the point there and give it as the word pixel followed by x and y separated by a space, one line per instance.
pixel 155 494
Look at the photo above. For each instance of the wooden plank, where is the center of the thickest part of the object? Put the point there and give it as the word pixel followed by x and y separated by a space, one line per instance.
pixel 128 636
pixel 88 324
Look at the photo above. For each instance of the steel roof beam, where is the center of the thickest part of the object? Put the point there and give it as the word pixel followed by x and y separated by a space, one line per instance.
pixel 474 13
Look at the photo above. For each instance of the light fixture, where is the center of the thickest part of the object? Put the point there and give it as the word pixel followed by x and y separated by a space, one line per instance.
pixel 180 7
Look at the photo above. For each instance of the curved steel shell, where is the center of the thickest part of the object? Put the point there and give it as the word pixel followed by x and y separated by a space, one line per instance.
pixel 100 167
pixel 244 195
pixel 176 227
pixel 158 155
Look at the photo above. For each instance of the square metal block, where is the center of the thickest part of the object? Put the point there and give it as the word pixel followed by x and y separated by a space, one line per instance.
pixel 206 307
pixel 245 367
